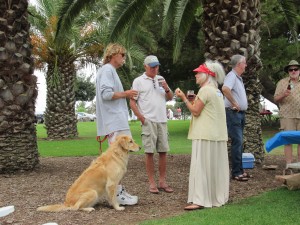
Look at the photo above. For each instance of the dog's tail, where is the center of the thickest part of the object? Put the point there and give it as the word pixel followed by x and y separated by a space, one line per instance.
pixel 54 208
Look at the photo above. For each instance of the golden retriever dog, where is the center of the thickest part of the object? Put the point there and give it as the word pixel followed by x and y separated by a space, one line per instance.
pixel 101 177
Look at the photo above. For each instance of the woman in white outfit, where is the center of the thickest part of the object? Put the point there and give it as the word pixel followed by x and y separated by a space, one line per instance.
pixel 209 170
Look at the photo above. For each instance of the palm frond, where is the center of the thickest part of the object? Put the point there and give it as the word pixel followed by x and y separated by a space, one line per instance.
pixel 290 13
pixel 80 41
pixel 135 54
pixel 126 12
pixel 168 15
pixel 69 10
pixel 140 35
pixel 47 8
pixel 185 14
pixel 36 20
pixel 145 38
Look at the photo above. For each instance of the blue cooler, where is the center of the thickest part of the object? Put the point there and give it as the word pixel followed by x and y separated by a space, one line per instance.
pixel 248 160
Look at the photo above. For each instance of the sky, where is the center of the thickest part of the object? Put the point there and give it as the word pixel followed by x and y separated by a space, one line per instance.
pixel 40 104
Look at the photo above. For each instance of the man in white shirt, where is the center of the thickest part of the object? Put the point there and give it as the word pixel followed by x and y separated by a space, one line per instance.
pixel 150 108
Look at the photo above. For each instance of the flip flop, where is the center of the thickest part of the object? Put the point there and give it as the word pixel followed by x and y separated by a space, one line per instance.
pixel 240 178
pixel 247 175
pixel 153 190
pixel 167 189
pixel 193 207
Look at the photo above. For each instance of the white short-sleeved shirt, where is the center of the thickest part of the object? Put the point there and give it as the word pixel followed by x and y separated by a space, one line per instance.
pixel 151 100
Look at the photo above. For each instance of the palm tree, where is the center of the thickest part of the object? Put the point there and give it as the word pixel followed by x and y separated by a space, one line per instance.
pixel 18 90
pixel 233 28
pixel 136 39
pixel 60 49
pixel 230 27
pixel 60 57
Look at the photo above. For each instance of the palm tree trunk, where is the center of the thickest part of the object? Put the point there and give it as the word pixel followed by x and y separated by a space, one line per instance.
pixel 18 90
pixel 60 119
pixel 232 27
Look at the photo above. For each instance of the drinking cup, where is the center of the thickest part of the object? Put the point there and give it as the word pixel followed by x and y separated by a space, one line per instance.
pixel 160 81
pixel 190 95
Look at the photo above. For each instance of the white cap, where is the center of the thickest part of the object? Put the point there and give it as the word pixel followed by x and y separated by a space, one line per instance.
pixel 151 60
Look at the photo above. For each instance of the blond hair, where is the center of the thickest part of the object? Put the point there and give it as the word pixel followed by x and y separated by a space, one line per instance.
pixel 111 50
pixel 218 69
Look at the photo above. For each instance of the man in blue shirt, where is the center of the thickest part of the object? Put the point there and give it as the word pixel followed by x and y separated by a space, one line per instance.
pixel 236 104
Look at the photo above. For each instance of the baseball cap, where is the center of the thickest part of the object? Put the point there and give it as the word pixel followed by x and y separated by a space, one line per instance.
pixel 151 60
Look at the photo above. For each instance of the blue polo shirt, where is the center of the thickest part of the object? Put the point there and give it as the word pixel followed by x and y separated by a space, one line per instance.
pixel 235 83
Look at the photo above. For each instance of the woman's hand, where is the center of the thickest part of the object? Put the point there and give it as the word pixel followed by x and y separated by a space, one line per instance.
pixel 179 93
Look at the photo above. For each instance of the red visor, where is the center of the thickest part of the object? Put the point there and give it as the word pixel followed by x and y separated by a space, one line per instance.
pixel 203 69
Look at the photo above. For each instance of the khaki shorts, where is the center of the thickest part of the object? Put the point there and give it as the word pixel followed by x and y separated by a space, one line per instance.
pixel 289 124
pixel 155 137
pixel 112 136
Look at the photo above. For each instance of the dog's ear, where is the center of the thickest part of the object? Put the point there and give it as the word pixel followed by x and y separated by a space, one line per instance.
pixel 124 142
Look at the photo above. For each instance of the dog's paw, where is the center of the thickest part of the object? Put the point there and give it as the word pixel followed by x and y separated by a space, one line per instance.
pixel 88 209
pixel 120 208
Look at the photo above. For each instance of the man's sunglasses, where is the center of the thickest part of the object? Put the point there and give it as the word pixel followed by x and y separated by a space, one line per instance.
pixel 294 69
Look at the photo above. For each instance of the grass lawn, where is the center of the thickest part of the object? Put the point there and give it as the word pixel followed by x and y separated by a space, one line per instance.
pixel 86 144
pixel 271 208
pixel 276 207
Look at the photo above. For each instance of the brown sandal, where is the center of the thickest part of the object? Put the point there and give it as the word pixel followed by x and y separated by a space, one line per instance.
pixel 153 190
pixel 167 189
pixel 193 207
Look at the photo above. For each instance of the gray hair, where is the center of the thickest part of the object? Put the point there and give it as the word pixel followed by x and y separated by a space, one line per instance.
pixel 218 69
pixel 235 59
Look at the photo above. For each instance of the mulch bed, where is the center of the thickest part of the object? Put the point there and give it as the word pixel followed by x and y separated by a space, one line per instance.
pixel 49 183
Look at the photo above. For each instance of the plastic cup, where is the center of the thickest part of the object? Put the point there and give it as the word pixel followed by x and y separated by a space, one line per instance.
pixel 190 95
pixel 160 81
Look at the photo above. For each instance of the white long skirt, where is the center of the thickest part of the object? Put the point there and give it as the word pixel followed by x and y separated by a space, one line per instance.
pixel 209 173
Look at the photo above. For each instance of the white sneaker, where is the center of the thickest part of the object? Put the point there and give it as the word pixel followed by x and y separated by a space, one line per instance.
pixel 134 197
pixel 124 198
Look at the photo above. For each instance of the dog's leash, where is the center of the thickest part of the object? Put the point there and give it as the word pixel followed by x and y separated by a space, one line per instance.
pixel 98 138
